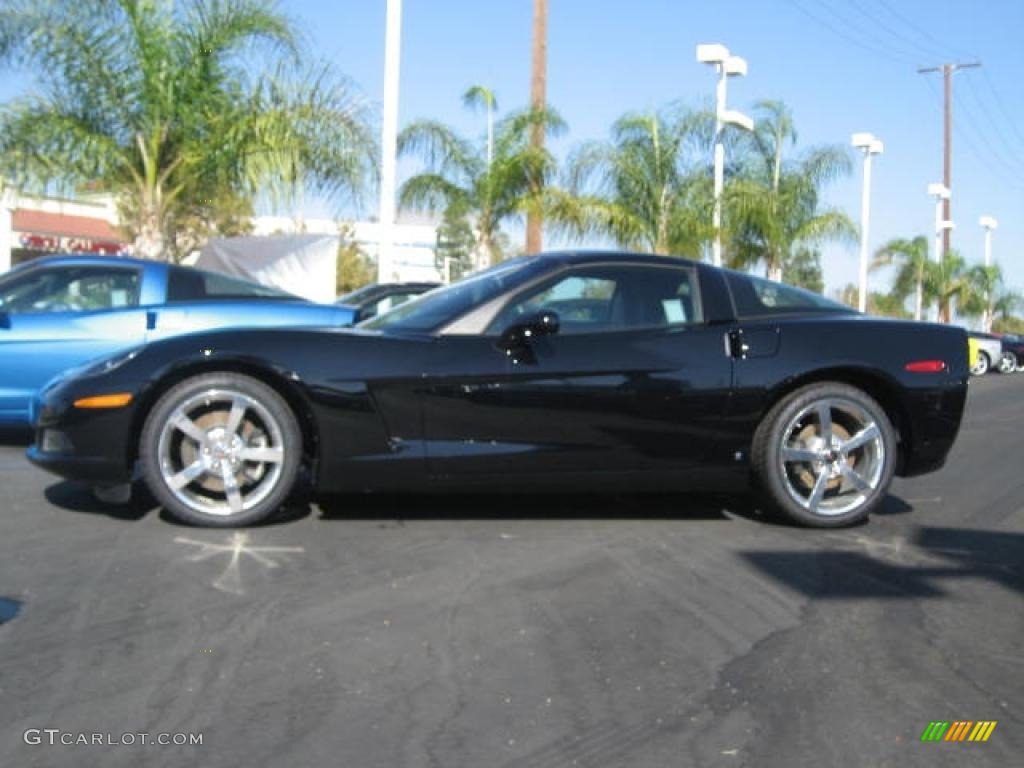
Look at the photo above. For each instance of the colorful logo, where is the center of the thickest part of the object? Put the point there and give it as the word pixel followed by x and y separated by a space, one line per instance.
pixel 958 730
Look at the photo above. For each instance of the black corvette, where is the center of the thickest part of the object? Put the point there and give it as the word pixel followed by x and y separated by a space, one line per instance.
pixel 559 371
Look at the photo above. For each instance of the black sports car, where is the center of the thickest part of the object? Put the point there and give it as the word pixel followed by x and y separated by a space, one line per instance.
pixel 558 371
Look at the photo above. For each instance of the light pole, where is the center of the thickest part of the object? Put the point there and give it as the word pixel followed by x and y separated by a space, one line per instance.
pixel 727 66
pixel 988 223
pixel 389 140
pixel 941 193
pixel 869 145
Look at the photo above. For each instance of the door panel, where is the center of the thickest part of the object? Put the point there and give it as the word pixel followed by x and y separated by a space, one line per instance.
pixel 643 400
pixel 36 347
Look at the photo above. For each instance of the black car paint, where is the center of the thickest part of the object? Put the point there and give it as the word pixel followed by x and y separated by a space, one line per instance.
pixel 648 408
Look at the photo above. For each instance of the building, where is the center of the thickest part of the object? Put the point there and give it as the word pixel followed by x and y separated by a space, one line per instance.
pixel 33 226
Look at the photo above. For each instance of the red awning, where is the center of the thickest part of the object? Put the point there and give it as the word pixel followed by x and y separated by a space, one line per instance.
pixel 63 225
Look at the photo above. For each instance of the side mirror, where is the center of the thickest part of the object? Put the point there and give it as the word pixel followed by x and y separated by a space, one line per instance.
pixel 5 320
pixel 518 335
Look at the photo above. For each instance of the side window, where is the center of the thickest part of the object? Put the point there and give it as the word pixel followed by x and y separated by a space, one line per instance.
pixel 757 296
pixel 71 289
pixel 184 284
pixel 612 298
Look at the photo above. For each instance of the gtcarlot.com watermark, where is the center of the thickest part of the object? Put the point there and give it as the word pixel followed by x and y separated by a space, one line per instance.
pixel 56 737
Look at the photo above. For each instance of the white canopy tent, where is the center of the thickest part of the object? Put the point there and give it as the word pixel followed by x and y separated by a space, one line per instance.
pixel 305 265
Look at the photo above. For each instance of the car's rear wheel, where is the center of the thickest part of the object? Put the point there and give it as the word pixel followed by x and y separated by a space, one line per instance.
pixel 825 455
pixel 1008 363
pixel 221 449
pixel 982 364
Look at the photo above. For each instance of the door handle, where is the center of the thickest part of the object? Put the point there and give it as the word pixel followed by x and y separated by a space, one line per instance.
pixel 151 320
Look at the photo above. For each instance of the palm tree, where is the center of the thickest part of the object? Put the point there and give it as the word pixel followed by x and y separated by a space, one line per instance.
pixel 538 105
pixel 477 97
pixel 773 208
pixel 459 177
pixel 646 188
pixel 169 105
pixel 952 284
pixel 985 283
pixel 1005 306
pixel 911 260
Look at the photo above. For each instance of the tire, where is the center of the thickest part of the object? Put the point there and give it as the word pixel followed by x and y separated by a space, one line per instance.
pixel 1008 363
pixel 221 450
pixel 983 365
pixel 819 485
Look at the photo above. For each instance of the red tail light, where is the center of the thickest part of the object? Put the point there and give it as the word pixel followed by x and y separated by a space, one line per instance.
pixel 926 366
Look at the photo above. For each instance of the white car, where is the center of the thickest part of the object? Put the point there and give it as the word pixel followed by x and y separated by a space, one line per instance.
pixel 990 352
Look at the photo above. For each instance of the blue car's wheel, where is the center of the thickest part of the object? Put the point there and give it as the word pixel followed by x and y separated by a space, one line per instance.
pixel 221 449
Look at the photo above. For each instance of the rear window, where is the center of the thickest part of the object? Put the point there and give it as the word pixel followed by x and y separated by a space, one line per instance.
pixel 184 284
pixel 755 296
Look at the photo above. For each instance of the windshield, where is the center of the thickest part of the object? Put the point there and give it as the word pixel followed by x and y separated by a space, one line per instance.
pixel 358 295
pixel 439 307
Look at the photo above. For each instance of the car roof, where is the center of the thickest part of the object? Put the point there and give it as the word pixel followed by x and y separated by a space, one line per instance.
pixel 596 255
pixel 85 260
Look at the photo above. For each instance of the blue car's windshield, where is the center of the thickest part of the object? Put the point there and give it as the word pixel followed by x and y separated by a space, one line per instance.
pixel 439 307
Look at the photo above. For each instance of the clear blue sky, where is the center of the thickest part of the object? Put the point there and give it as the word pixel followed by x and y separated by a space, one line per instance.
pixel 841 65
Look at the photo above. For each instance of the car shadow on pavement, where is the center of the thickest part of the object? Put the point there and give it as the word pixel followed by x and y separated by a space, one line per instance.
pixel 16 436
pixel 568 506
pixel 923 566
pixel 79 497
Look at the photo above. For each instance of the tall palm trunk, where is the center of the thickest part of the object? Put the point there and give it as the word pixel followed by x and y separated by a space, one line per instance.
pixel 538 98
pixel 150 242
pixel 919 300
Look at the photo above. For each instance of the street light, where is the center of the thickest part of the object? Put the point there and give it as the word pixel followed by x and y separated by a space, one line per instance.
pixel 727 66
pixel 389 141
pixel 869 145
pixel 988 223
pixel 941 193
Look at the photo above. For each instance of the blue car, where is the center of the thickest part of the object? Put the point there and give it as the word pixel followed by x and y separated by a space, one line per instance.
pixel 59 312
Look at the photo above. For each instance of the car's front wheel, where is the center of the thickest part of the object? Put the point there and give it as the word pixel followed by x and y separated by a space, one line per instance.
pixel 221 449
pixel 825 455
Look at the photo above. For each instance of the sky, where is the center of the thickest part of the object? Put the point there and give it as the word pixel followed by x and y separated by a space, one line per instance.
pixel 842 66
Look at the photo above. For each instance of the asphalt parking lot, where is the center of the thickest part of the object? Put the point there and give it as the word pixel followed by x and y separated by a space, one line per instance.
pixel 523 632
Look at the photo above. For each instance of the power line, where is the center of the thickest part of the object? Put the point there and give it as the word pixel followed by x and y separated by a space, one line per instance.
pixel 936 45
pixel 968 137
pixel 1008 152
pixel 869 30
pixel 916 49
pixel 999 103
pixel 839 32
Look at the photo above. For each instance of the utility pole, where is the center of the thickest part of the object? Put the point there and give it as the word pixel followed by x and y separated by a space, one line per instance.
pixel 538 100
pixel 947 71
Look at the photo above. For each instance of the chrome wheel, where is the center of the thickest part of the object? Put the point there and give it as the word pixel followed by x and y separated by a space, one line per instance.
pixel 1008 363
pixel 832 457
pixel 981 365
pixel 221 452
